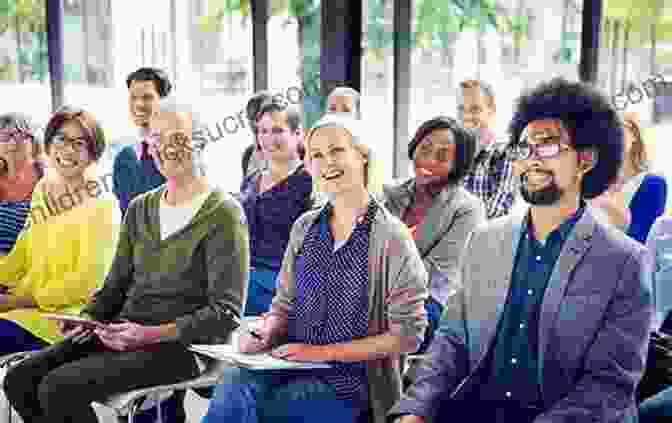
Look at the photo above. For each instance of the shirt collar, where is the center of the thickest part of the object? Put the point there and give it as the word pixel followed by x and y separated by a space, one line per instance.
pixel 560 233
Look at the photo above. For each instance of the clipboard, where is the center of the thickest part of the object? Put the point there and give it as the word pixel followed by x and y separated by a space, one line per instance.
pixel 258 361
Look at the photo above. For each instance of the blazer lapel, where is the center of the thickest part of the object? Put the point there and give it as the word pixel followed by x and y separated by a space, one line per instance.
pixel 398 198
pixel 573 250
pixel 496 283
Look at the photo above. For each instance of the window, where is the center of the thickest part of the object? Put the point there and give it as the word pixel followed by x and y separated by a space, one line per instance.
pixel 294 54
pixel 204 45
pixel 24 68
pixel 511 46
pixel 378 78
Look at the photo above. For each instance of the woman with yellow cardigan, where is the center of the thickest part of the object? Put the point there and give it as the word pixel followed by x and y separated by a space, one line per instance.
pixel 67 246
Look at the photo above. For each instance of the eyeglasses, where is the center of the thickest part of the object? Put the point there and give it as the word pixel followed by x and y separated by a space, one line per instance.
pixel 61 141
pixel 546 150
pixel 16 136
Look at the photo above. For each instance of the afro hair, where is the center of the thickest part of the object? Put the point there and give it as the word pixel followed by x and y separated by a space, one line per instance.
pixel 588 116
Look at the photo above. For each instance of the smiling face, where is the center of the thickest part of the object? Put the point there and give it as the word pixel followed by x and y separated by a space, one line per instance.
pixel 277 140
pixel 434 157
pixel 68 151
pixel 552 173
pixel 335 161
pixel 16 147
pixel 475 109
pixel 143 102
pixel 170 144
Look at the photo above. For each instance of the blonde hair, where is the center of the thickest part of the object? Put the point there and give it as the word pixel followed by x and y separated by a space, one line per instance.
pixel 373 175
pixel 638 153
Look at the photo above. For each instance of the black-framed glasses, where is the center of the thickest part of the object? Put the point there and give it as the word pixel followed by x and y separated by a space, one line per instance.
pixel 547 150
pixel 61 141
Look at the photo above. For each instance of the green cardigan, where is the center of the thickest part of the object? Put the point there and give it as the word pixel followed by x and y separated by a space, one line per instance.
pixel 195 277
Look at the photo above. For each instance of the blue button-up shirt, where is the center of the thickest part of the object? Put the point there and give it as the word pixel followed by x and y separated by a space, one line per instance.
pixel 513 367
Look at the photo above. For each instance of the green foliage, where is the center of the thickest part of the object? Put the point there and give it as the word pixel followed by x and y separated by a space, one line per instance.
pixel 26 16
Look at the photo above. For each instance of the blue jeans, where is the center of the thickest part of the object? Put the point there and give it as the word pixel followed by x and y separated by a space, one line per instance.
pixel 434 310
pixel 246 396
pixel 653 409
pixel 14 338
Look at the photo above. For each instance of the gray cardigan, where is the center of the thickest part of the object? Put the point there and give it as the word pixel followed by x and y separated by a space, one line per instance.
pixel 442 235
pixel 397 292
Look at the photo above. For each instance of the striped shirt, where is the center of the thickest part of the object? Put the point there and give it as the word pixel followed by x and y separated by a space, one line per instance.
pixel 12 218
pixel 492 180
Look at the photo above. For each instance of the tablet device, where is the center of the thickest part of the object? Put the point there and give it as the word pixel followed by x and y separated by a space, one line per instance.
pixel 70 318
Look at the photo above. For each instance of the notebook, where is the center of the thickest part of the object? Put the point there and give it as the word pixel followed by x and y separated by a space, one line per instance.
pixel 258 361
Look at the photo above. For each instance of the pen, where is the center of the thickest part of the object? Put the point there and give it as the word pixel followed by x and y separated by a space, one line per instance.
pixel 240 323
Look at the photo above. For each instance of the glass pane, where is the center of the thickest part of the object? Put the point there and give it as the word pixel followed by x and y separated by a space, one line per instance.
pixel 636 68
pixel 511 45
pixel 378 78
pixel 24 67
pixel 204 45
pixel 294 54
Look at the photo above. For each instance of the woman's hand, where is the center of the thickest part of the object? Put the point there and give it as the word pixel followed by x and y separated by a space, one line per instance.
pixel 302 352
pixel 265 327
pixel 74 332
pixel 127 335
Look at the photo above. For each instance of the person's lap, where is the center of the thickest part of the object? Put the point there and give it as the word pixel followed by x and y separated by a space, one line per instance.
pixel 277 396
pixel 78 374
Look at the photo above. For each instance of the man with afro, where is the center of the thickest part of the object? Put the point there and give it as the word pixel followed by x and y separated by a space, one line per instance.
pixel 554 326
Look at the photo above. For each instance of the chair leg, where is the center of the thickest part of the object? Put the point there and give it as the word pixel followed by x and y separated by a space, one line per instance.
pixel 159 412
pixel 134 408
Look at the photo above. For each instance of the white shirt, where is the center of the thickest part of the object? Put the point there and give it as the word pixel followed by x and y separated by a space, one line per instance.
pixel 174 218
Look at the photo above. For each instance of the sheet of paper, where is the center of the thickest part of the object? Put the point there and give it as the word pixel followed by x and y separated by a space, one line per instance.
pixel 259 361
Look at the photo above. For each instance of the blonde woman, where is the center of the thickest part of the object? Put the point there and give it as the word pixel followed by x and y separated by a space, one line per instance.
pixel 635 201
pixel 350 293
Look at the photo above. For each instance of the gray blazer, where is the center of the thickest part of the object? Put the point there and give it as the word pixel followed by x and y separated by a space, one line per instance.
pixel 593 326
pixel 443 233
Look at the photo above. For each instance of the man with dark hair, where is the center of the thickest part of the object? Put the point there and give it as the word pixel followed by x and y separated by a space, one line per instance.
pixel 134 172
pixel 251 160
pixel 491 177
pixel 535 335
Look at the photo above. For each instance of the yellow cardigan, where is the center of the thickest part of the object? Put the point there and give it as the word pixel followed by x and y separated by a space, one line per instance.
pixel 60 261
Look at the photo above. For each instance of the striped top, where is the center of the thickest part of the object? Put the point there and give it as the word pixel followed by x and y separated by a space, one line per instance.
pixel 12 218
pixel 13 214
pixel 331 302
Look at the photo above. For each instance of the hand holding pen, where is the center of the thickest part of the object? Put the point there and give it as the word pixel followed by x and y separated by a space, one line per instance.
pixel 242 324
pixel 257 336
